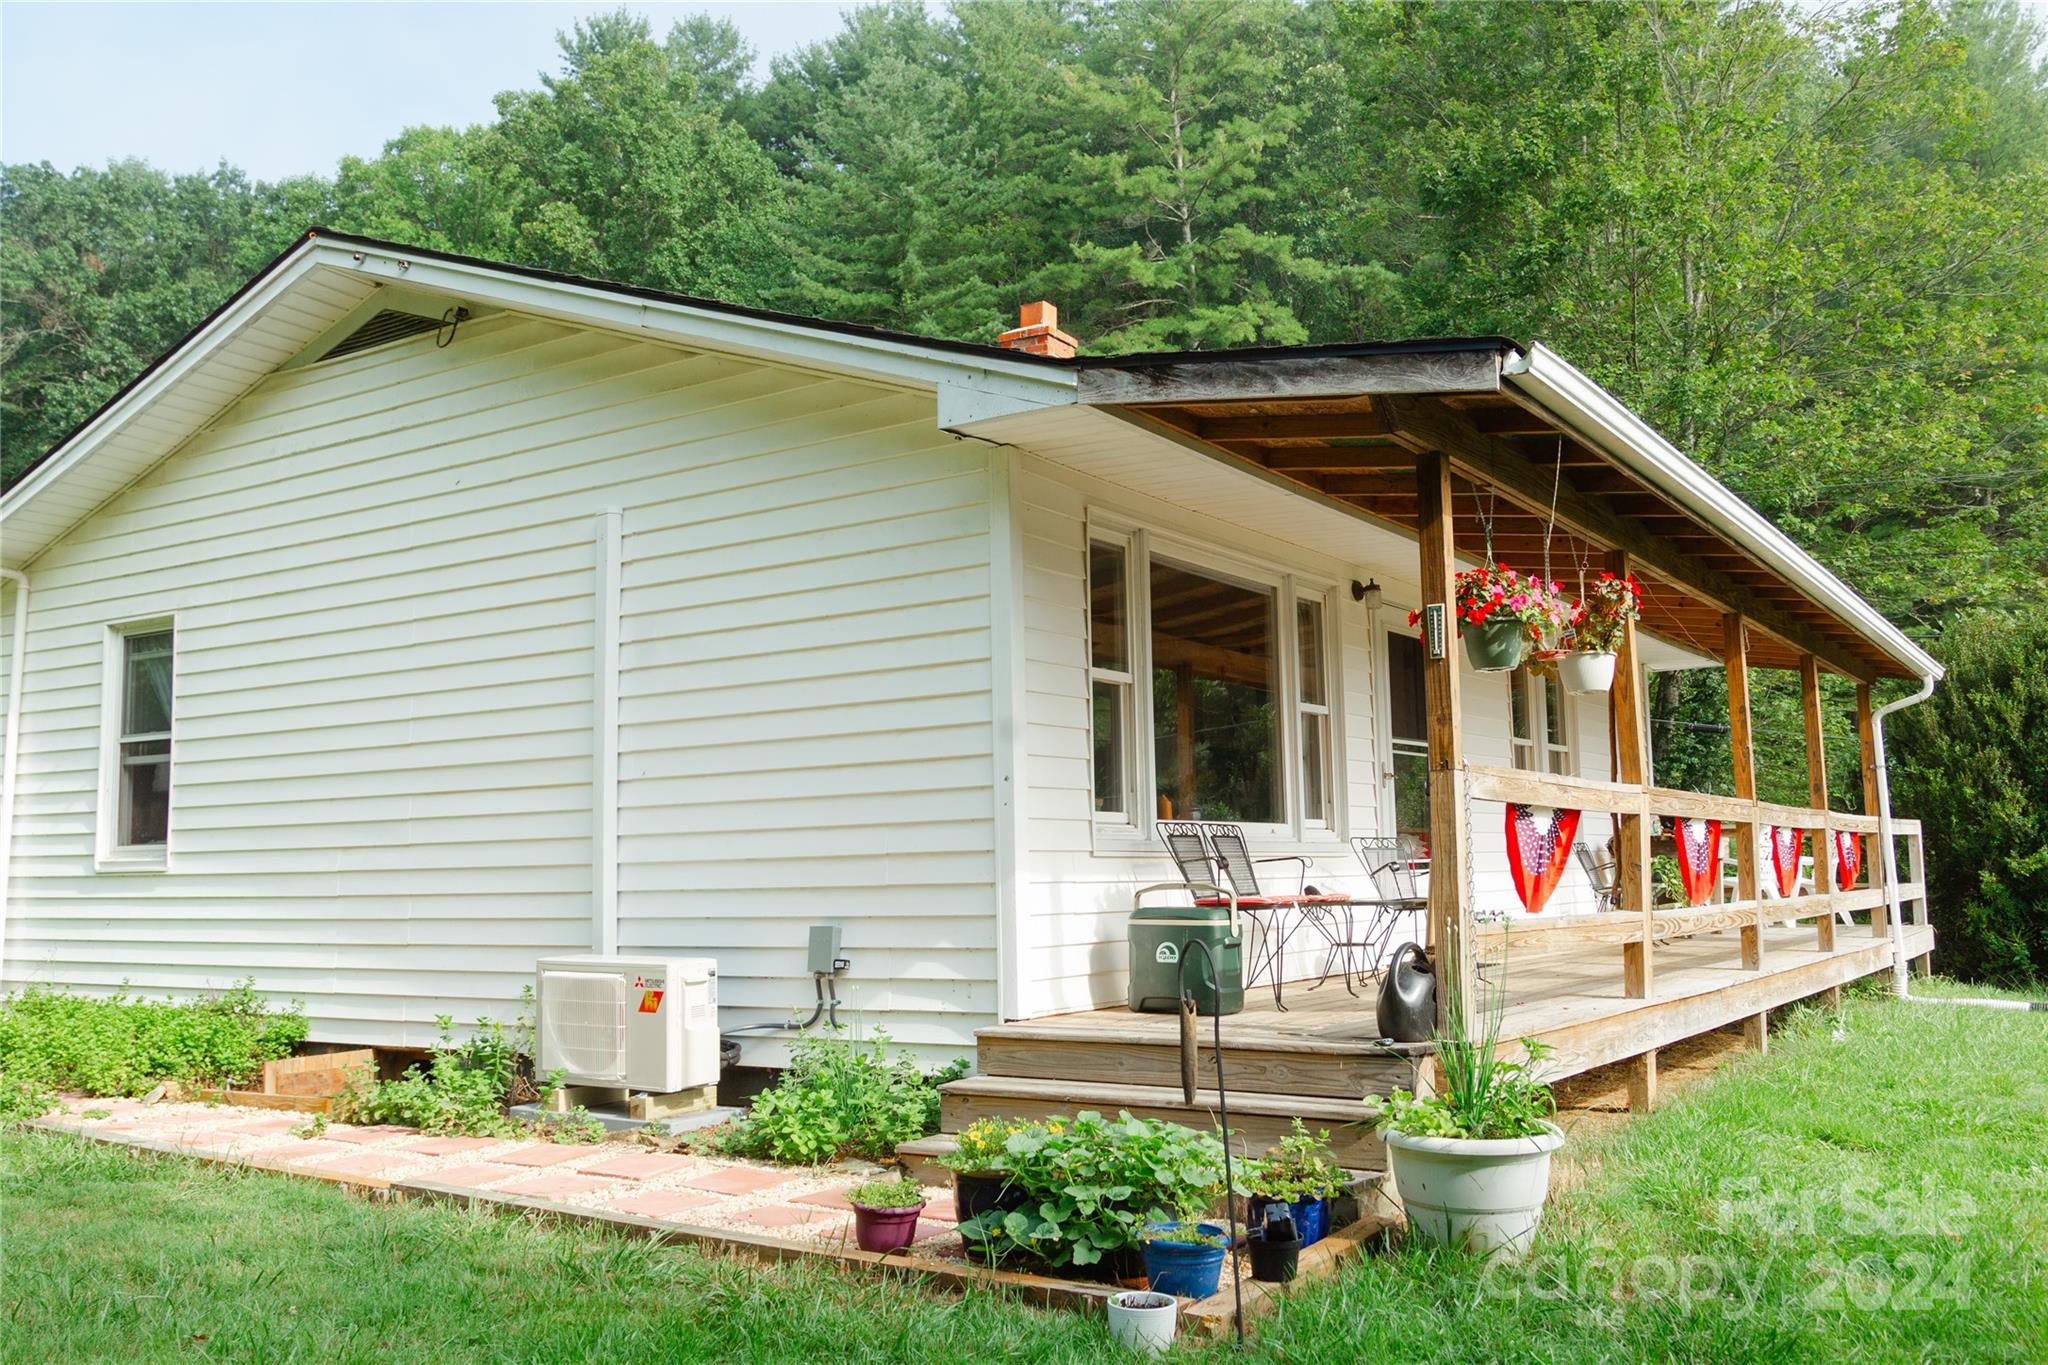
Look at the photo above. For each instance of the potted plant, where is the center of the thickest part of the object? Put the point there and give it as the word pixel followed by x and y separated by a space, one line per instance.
pixel 885 1213
pixel 1503 614
pixel 979 1181
pixel 1472 1162
pixel 1597 622
pixel 1298 1173
pixel 1094 1187
pixel 1142 1320
pixel 1185 1259
pixel 1275 1245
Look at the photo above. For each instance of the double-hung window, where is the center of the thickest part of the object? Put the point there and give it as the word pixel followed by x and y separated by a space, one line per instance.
pixel 1210 692
pixel 1538 733
pixel 136 793
pixel 1110 677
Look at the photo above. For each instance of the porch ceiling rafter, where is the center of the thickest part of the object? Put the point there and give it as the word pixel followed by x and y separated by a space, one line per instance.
pixel 1520 483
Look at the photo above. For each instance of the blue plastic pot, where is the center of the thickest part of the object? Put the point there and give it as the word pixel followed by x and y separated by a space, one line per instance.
pixel 1311 1217
pixel 1188 1269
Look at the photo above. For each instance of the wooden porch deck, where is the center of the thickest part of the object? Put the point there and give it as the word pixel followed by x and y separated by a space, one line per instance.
pixel 1319 1058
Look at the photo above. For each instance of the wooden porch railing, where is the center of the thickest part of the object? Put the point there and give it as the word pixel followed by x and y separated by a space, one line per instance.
pixel 1637 932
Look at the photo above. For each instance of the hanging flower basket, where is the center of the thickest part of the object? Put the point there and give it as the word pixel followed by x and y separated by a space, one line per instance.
pixel 1502 615
pixel 1585 671
pixel 1496 646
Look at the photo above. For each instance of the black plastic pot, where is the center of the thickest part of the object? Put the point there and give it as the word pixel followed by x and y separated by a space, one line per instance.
pixel 1274 1261
pixel 974 1195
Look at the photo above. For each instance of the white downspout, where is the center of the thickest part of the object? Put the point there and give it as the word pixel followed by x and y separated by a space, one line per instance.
pixel 10 763
pixel 1884 830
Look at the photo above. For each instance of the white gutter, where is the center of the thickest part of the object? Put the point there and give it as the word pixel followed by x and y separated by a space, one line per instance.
pixel 1599 418
pixel 10 763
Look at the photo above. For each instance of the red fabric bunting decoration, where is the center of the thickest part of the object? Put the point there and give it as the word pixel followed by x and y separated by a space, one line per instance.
pixel 1699 858
pixel 1785 846
pixel 1848 858
pixel 1539 844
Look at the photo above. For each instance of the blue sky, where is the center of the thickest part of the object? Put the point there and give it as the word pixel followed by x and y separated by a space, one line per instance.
pixel 286 89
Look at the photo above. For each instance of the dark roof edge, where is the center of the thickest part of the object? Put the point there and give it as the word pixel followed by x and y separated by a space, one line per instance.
pixel 1141 360
pixel 1133 361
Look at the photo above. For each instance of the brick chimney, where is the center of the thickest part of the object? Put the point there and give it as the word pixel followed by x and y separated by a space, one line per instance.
pixel 1038 333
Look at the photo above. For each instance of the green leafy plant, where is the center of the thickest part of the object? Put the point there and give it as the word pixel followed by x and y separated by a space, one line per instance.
pixel 462 1091
pixel 1298 1167
pixel 118 1045
pixel 981 1145
pixel 839 1098
pixel 96 1114
pixel 312 1127
pixel 23 1100
pixel 1483 1095
pixel 1185 1235
pixel 886 1194
pixel 1096 1184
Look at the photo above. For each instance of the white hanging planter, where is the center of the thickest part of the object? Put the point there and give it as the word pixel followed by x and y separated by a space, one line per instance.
pixel 1482 1194
pixel 1582 673
pixel 1143 1321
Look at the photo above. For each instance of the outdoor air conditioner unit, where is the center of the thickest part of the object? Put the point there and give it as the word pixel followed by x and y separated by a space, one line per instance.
pixel 631 1023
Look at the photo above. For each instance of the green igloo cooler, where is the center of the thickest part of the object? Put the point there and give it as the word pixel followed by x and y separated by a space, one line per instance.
pixel 1160 935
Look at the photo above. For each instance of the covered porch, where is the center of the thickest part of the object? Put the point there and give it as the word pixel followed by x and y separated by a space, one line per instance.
pixel 1469 450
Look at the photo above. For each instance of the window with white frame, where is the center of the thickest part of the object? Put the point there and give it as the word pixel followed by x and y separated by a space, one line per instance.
pixel 1538 732
pixel 1210 691
pixel 1110 677
pixel 1313 705
pixel 137 793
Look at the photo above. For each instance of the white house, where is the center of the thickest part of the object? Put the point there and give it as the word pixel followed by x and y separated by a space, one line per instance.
pixel 417 617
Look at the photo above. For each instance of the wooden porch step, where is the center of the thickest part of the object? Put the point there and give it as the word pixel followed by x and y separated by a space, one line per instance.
pixel 1112 1054
pixel 1258 1120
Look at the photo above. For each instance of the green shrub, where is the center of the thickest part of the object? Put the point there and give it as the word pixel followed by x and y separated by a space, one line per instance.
pixel 1096 1184
pixel 1971 764
pixel 119 1045
pixel 842 1098
pixel 461 1092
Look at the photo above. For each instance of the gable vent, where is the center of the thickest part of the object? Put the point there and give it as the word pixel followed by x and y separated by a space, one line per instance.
pixel 388 325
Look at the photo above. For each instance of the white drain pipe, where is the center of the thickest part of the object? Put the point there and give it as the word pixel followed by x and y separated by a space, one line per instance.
pixel 1885 836
pixel 10 763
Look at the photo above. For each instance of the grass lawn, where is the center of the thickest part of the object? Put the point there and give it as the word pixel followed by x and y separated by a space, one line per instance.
pixel 1881 1195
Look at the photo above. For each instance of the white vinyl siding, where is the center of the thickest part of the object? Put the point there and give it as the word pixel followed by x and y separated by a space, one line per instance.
pixel 383 573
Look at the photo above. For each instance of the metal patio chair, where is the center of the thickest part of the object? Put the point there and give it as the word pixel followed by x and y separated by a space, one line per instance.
pixel 1328 913
pixel 1602 871
pixel 1396 865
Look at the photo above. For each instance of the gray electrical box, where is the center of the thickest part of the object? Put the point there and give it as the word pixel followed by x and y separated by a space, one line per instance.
pixel 824 949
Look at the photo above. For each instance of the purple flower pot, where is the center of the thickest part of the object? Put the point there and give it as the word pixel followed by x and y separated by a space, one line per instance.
pixel 885 1229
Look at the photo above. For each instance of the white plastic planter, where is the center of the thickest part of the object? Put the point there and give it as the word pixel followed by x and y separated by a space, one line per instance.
pixel 1484 1195
pixel 1143 1321
pixel 1583 673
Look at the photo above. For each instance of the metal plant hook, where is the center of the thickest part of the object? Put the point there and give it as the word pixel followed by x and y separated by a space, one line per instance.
pixel 1222 1106
pixel 444 335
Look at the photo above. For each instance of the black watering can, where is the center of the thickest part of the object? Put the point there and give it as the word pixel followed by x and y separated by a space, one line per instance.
pixel 1407 1007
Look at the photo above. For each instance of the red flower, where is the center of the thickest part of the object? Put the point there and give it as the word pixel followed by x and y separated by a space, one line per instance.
pixel 1414 618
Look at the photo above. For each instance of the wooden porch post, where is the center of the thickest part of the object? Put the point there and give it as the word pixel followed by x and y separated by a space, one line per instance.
pixel 1874 857
pixel 1735 650
pixel 1449 942
pixel 1817 794
pixel 1632 832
